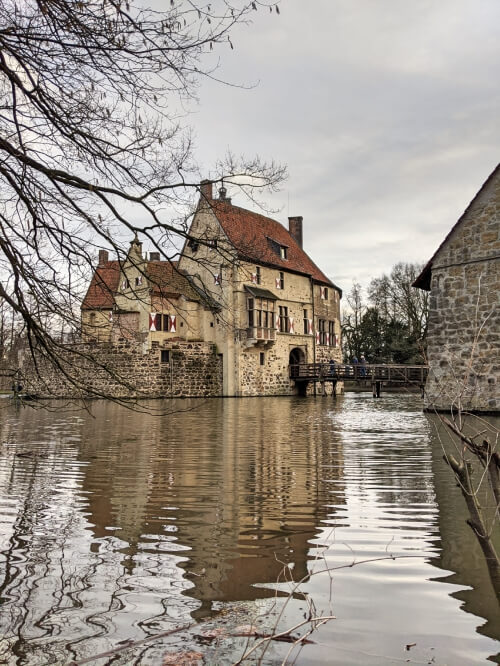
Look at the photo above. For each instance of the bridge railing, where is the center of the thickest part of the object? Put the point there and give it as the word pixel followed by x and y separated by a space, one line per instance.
pixel 407 374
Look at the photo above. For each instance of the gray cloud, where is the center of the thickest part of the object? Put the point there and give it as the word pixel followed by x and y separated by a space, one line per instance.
pixel 385 112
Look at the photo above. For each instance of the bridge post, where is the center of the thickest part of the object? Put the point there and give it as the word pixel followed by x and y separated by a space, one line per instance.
pixel 377 387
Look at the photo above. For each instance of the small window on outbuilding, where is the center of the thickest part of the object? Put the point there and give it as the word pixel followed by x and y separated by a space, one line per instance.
pixel 165 355
pixel 283 252
pixel 262 358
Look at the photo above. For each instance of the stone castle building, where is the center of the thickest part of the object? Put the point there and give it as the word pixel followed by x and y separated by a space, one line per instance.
pixel 243 285
pixel 463 277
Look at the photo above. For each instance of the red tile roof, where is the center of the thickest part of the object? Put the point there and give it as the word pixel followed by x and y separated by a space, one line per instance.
pixel 252 235
pixel 164 277
pixel 103 285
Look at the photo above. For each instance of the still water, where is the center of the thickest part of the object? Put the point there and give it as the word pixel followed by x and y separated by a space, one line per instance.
pixel 117 526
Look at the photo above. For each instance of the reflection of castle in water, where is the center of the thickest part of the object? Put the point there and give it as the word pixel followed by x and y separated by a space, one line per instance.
pixel 460 551
pixel 238 483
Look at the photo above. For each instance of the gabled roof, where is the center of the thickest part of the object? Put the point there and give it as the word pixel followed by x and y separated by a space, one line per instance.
pixel 423 281
pixel 253 236
pixel 103 285
pixel 164 278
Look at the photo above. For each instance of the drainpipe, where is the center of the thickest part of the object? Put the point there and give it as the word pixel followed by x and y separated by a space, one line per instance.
pixel 314 330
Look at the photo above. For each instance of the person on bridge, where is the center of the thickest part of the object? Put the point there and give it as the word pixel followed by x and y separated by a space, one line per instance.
pixel 332 366
pixel 362 361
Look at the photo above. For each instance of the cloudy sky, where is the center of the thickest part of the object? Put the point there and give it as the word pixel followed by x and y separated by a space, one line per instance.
pixel 386 113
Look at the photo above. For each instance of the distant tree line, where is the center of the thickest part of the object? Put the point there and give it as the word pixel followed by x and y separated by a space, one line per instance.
pixel 388 323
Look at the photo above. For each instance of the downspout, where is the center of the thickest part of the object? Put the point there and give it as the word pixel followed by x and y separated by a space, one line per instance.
pixel 314 328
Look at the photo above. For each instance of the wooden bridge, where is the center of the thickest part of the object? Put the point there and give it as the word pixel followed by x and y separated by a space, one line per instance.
pixel 376 375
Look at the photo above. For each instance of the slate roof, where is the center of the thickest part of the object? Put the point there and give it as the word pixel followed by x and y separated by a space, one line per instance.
pixel 423 281
pixel 257 237
pixel 164 277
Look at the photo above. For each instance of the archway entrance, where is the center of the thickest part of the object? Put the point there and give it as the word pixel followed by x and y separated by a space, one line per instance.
pixel 297 356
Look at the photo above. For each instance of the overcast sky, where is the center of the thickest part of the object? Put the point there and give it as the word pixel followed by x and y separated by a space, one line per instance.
pixel 386 113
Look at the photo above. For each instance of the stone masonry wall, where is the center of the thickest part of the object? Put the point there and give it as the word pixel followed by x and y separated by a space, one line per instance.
pixel 464 322
pixel 193 369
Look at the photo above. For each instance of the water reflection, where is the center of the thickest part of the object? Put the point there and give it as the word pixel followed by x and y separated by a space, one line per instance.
pixel 116 525
pixel 461 556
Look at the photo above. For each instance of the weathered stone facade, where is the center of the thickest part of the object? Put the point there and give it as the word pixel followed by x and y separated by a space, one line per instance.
pixel 464 318
pixel 243 284
pixel 125 371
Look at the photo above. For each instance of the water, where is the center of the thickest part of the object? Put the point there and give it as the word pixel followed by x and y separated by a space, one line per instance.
pixel 117 526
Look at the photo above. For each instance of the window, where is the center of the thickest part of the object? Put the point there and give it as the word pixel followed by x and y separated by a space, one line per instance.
pixel 324 293
pixel 258 276
pixel 306 322
pixel 125 284
pixel 280 280
pixel 262 358
pixel 322 331
pixel 283 252
pixel 260 313
pixel 331 333
pixel 165 355
pixel 138 281
pixel 163 322
pixel 212 243
pixel 283 312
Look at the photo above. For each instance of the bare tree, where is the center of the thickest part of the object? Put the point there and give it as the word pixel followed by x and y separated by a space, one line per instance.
pixel 92 144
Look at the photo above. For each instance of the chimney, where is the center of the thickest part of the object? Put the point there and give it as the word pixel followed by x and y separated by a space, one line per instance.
pixel 206 189
pixel 154 256
pixel 103 257
pixel 295 229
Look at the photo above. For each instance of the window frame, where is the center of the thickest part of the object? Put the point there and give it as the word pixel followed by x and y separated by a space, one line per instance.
pixel 283 318
pixel 322 331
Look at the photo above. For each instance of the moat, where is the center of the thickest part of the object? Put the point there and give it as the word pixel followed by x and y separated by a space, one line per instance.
pixel 117 525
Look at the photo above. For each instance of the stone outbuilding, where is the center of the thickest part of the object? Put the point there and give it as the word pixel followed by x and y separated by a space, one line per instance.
pixel 243 284
pixel 463 278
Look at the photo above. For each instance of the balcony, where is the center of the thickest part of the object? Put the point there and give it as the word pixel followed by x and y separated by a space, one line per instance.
pixel 261 336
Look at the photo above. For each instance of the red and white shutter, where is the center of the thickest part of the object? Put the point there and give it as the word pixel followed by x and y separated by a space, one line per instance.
pixel 124 285
pixel 277 322
pixel 322 292
pixel 254 278
pixel 217 278
pixel 317 337
pixel 152 321
pixel 111 316
pixel 328 338
pixel 278 283
pixel 173 324
pixel 336 340
pixel 310 326
pixel 291 325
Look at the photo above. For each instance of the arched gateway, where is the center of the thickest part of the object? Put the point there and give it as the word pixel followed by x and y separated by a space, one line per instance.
pixel 297 356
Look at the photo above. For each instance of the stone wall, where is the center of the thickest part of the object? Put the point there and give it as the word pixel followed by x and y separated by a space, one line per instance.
pixel 188 369
pixel 464 321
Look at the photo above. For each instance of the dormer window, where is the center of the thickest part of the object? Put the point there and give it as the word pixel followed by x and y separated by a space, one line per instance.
pixel 280 250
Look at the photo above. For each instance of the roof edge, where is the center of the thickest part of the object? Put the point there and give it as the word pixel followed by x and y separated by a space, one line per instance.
pixel 423 281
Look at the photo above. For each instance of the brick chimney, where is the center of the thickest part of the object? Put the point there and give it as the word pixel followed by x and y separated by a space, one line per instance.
pixel 103 257
pixel 206 189
pixel 295 229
